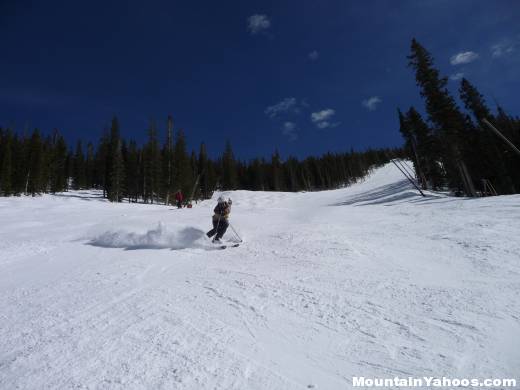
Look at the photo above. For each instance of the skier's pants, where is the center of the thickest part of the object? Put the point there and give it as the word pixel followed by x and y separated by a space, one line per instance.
pixel 219 228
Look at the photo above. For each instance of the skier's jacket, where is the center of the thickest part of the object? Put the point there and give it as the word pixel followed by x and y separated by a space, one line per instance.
pixel 178 196
pixel 222 210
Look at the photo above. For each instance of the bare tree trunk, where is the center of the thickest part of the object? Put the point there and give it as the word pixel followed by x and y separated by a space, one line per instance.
pixel 27 182
pixel 466 179
pixel 420 172
pixel 170 135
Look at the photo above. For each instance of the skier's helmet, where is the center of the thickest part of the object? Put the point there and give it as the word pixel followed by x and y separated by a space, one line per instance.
pixel 221 199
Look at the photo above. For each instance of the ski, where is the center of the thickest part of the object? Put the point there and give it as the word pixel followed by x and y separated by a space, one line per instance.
pixel 228 246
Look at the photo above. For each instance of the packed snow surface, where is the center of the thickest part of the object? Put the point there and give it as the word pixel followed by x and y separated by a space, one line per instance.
pixel 370 280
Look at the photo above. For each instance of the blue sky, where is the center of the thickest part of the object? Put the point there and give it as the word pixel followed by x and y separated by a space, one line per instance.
pixel 305 77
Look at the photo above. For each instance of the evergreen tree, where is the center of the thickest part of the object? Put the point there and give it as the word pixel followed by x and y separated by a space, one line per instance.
pixel 167 173
pixel 306 175
pixel 425 150
pixel 195 192
pixel 58 181
pixel 183 175
pixel 167 159
pixel 34 185
pixel 152 166
pixel 443 112
pixel 69 169
pixel 489 158
pixel 90 167
pixel 208 174
pixel 204 184
pixel 6 164
pixel 405 131
pixel 229 169
pixel 291 167
pixel 78 173
pixel 114 147
pixel 132 177
pixel 258 177
pixel 510 127
pixel 141 162
pixel 101 163
pixel 46 172
pixel 474 101
pixel 276 172
pixel 117 175
pixel 19 164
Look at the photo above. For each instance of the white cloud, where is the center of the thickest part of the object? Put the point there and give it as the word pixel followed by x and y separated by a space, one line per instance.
pixel 323 125
pixel 371 103
pixel 322 115
pixel 313 55
pixel 502 49
pixel 289 126
pixel 289 130
pixel 322 118
pixel 286 105
pixel 463 58
pixel 258 23
pixel 457 76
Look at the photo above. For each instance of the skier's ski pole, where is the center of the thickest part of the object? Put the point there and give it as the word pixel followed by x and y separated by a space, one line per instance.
pixel 234 231
pixel 235 236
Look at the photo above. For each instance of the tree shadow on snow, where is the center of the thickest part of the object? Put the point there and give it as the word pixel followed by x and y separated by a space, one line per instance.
pixel 158 238
pixel 390 193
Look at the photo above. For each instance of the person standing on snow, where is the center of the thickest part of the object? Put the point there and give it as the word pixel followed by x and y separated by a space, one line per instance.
pixel 179 198
pixel 220 219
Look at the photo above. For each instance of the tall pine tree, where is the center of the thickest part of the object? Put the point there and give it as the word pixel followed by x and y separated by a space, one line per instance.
pixel 6 163
pixel 229 169
pixel 78 175
pixel 34 185
pixel 443 112
pixel 183 175
pixel 152 166
pixel 58 165
pixel 117 175
pixel 490 160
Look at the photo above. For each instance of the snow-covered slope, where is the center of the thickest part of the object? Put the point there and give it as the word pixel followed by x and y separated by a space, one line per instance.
pixel 370 280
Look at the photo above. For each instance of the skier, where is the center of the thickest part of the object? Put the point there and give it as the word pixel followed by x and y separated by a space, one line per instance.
pixel 179 198
pixel 220 219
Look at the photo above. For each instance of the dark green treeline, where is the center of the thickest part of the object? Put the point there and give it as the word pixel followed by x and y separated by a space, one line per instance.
pixel 153 172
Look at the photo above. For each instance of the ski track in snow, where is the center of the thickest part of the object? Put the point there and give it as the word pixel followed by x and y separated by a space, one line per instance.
pixel 370 280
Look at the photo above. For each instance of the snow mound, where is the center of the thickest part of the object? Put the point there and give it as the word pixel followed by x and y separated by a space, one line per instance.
pixel 158 238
